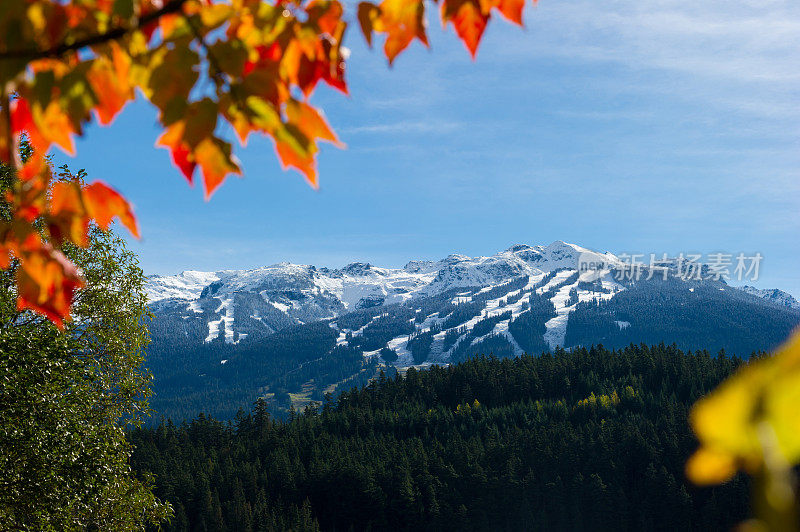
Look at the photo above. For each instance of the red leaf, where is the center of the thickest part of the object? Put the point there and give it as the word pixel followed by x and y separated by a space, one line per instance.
pixel 182 158
pixel 46 281
pixel 22 121
pixel 103 203
pixel 267 56
pixel 172 139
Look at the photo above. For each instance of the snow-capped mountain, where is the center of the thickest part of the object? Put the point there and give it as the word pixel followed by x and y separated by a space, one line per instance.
pixel 779 297
pixel 231 305
pixel 236 304
pixel 291 332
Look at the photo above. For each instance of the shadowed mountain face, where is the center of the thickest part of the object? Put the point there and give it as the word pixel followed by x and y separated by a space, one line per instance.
pixel 292 332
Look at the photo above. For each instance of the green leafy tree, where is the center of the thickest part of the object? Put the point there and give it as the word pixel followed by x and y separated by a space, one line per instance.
pixel 66 398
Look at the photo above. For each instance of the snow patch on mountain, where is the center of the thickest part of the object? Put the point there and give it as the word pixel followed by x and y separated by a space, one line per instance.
pixel 186 285
pixel 283 294
pixel 236 304
pixel 773 295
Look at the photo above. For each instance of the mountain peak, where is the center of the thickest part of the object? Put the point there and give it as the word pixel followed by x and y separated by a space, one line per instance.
pixel 557 245
pixel 774 295
pixel 518 247
pixel 422 296
pixel 357 268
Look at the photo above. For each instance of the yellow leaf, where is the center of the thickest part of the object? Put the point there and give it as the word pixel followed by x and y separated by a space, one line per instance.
pixel 707 467
pixel 401 20
pixel 215 15
pixel 730 421
pixel 257 115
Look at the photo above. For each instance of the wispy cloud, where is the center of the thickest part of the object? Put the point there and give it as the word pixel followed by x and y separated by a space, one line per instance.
pixel 418 126
pixel 741 41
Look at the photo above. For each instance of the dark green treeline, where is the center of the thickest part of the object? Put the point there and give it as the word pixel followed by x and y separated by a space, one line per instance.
pixel 587 440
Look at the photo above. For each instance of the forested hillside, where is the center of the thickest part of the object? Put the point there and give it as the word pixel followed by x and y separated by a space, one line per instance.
pixel 706 315
pixel 588 440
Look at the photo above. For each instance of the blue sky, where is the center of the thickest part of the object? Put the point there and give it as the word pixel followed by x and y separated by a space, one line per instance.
pixel 628 126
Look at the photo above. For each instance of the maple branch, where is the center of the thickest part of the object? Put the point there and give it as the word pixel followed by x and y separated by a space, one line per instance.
pixel 209 55
pixel 172 6
pixel 212 60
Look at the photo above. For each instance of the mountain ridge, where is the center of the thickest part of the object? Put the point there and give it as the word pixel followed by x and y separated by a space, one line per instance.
pixel 305 292
pixel 286 294
pixel 291 333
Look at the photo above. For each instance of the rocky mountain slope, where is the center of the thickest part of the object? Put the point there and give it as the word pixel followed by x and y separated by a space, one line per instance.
pixel 302 330
pixel 233 305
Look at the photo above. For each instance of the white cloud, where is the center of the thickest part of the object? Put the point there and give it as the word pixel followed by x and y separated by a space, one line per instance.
pixel 420 126
pixel 733 40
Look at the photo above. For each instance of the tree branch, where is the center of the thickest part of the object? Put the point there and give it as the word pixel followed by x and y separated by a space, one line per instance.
pixel 172 6
pixel 219 74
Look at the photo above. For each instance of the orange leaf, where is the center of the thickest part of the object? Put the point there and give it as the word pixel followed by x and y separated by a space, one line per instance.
pixel 214 15
pixel 56 125
pixel 301 160
pixel 167 23
pixel 110 84
pixel 103 203
pixel 46 281
pixel 67 219
pixel 468 19
pixel 34 167
pixel 310 122
pixel 511 9
pixel 402 20
pixel 216 162
pixel 43 126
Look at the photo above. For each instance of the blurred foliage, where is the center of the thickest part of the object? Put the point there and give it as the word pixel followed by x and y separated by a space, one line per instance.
pixel 752 422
